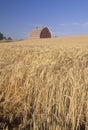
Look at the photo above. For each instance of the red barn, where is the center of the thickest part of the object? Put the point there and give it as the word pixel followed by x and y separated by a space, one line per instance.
pixel 40 33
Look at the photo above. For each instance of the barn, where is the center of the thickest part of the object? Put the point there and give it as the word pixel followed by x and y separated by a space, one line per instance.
pixel 40 33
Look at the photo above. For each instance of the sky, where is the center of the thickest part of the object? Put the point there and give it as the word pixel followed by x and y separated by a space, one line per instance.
pixel 62 17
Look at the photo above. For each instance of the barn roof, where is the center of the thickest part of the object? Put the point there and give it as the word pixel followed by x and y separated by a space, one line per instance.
pixel 35 33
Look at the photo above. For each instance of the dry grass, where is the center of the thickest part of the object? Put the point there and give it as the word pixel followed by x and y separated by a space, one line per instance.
pixel 44 84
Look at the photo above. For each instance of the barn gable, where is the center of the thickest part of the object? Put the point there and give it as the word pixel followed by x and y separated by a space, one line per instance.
pixel 40 33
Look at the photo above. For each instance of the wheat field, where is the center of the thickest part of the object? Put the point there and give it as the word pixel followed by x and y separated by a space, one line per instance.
pixel 44 84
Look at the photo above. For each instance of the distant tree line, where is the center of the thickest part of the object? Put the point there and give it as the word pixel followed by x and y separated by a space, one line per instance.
pixel 2 37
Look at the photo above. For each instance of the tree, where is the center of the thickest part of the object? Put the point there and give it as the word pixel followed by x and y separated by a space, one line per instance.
pixel 1 36
pixel 9 38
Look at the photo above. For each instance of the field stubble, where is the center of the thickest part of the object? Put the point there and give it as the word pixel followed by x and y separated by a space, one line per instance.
pixel 44 84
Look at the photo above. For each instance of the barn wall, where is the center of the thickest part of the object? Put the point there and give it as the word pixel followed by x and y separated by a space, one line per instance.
pixel 35 34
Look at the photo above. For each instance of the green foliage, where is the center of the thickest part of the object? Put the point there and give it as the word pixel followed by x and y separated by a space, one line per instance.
pixel 9 38
pixel 1 36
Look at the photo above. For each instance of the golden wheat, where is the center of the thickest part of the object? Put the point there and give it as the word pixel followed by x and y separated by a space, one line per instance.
pixel 44 84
